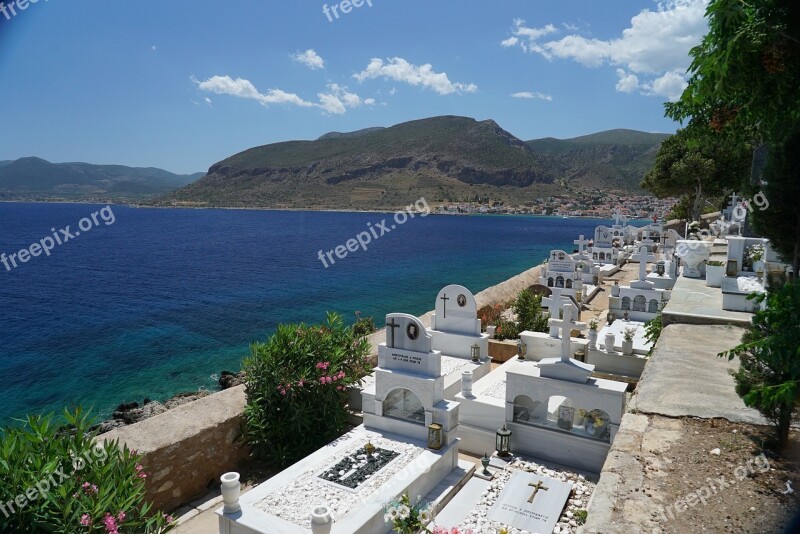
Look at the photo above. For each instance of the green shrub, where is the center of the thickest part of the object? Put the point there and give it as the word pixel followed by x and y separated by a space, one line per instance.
pixel 363 326
pixel 55 479
pixel 297 388
pixel 528 308
pixel 652 331
pixel 768 378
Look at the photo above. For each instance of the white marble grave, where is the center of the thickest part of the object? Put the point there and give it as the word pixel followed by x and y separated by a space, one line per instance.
pixel 455 326
pixel 530 502
pixel 560 271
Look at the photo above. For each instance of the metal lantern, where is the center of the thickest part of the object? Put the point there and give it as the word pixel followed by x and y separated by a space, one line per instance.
pixel 522 349
pixel 503 442
pixel 476 352
pixel 610 317
pixel 435 436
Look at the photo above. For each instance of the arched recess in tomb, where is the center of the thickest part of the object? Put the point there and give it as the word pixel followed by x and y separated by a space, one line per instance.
pixel 550 282
pixel 559 281
pixel 653 306
pixel 525 409
pixel 404 404
pixel 569 283
pixel 626 303
pixel 639 303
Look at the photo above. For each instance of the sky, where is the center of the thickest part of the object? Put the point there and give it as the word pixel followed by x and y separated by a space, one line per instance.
pixel 182 84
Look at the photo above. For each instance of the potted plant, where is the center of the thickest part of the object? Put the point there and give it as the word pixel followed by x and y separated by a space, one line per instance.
pixel 627 341
pixel 756 256
pixel 580 417
pixel 694 228
pixel 593 334
pixel 715 271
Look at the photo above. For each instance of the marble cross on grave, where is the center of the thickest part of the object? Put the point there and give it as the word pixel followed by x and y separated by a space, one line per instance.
pixel 554 303
pixel 536 487
pixel 581 242
pixel 643 257
pixel 391 326
pixel 619 219
pixel 567 325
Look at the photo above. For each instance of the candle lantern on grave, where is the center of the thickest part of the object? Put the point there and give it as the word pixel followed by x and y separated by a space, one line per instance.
pixel 522 349
pixel 435 436
pixel 476 352
pixel 503 442
pixel 661 268
pixel 610 317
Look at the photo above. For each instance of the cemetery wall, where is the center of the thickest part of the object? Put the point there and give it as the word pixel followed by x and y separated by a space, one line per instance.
pixel 188 448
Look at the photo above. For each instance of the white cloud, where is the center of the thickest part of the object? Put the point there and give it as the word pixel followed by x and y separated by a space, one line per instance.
pixel 241 88
pixel 570 27
pixel 310 59
pixel 532 95
pixel 154 48
pixel 338 100
pixel 627 82
pixel 335 101
pixel 670 85
pixel 655 46
pixel 400 70
pixel 511 41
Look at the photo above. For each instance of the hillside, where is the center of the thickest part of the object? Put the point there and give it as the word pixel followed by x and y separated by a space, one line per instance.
pixel 442 158
pixel 36 178
pixel 610 159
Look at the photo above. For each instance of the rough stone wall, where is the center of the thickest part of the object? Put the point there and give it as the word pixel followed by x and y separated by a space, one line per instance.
pixel 188 448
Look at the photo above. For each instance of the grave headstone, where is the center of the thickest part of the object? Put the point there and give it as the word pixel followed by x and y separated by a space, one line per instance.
pixel 530 502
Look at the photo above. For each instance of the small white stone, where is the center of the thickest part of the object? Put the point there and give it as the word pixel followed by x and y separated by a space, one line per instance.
pixel 716 452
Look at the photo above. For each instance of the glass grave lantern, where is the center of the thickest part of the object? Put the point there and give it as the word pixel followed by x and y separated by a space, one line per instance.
pixel 503 442
pixel 435 436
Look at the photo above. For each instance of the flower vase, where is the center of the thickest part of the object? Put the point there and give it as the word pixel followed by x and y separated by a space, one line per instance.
pixel 592 339
pixel 610 339
pixel 231 489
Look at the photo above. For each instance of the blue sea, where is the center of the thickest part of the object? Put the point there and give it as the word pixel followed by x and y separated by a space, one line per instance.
pixel 161 300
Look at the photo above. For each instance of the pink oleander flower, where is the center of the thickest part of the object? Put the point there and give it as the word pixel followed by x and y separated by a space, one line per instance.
pixel 339 388
pixel 322 380
pixel 89 489
pixel 110 523
pixel 283 392
pixel 328 379
pixel 141 474
pixel 300 383
pixel 121 516
pixel 168 518
pixel 86 520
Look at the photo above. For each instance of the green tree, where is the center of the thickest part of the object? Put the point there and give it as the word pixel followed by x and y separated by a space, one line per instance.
pixel 528 309
pixel 768 378
pixel 780 217
pixel 696 164
pixel 743 76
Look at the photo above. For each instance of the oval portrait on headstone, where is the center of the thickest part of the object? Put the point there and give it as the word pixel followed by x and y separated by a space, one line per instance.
pixel 412 331
pixel 462 300
pixel 561 256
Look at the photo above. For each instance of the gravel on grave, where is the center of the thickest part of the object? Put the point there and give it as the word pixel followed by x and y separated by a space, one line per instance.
pixel 582 489
pixel 750 284
pixel 451 364
pixel 295 501
pixel 496 390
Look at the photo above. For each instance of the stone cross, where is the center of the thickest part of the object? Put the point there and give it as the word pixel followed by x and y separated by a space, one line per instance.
pixel 567 325
pixel 553 303
pixel 581 242
pixel 391 326
pixel 619 219
pixel 643 257
pixel 536 487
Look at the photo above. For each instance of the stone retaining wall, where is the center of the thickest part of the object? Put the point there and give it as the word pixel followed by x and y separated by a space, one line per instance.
pixel 188 448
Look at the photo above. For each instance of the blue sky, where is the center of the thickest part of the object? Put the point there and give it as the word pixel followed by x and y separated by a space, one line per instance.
pixel 183 84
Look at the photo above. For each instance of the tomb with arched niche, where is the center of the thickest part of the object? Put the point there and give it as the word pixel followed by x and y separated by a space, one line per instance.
pixel 560 271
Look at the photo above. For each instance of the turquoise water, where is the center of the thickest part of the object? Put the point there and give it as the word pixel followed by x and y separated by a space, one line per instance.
pixel 162 300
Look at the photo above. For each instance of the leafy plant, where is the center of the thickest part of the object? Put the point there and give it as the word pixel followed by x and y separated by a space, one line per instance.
pixel 490 315
pixel 507 330
pixel 768 378
pixel 297 387
pixel 363 326
pixel 528 309
pixel 580 516
pixel 628 334
pixel 715 263
pixel 652 331
pixel 407 518
pixel 755 253
pixel 593 324
pixel 55 479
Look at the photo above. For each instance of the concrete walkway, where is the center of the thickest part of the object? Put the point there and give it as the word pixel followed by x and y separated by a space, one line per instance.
pixel 693 302
pixel 685 377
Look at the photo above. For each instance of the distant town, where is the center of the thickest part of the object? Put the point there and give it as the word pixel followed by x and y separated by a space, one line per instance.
pixel 594 204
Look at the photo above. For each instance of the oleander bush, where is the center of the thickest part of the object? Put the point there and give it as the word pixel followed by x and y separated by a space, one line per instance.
pixel 55 479
pixel 297 386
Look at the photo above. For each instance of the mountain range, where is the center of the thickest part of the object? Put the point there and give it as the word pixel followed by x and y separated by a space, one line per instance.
pixel 35 178
pixel 444 159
